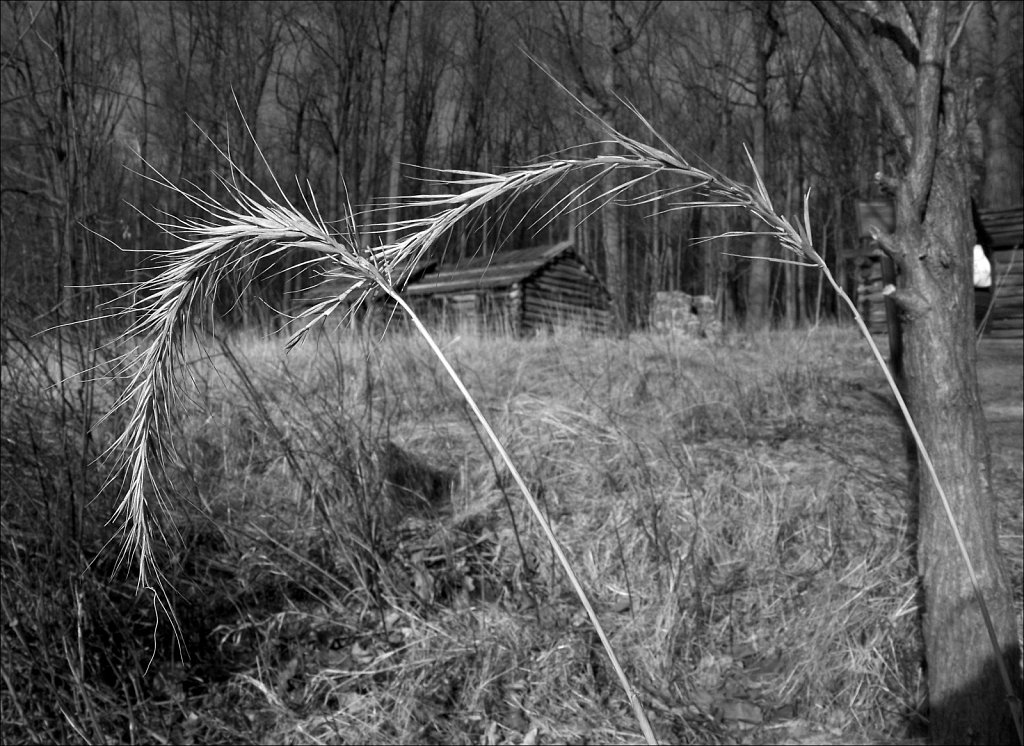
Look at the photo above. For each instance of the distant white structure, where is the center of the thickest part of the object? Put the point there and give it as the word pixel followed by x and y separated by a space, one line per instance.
pixel 982 268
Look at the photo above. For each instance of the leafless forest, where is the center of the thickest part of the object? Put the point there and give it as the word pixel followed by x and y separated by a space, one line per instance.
pixel 352 99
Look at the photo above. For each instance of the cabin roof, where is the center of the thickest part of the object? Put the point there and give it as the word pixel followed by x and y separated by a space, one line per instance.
pixel 329 287
pixel 997 229
pixel 499 270
pixel 1002 229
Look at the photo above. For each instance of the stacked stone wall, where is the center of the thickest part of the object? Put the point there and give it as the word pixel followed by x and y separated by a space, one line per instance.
pixel 681 313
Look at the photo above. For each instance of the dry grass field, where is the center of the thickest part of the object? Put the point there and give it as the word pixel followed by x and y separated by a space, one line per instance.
pixel 351 564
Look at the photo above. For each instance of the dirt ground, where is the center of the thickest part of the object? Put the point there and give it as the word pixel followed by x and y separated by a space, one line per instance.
pixel 1001 378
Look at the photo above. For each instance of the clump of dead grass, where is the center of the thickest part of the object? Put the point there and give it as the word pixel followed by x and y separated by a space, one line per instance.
pixel 758 572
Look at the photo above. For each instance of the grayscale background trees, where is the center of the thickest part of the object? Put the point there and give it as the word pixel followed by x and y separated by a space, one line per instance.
pixel 343 95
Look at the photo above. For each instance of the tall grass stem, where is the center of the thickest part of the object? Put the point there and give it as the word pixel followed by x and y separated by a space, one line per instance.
pixel 634 700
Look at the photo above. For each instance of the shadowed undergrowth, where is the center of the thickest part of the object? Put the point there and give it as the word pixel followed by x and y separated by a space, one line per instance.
pixel 356 566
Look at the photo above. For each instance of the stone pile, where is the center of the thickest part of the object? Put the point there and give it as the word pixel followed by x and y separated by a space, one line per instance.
pixel 681 313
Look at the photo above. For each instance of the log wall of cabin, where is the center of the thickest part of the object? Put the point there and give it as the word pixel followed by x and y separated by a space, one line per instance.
pixel 1006 314
pixel 564 292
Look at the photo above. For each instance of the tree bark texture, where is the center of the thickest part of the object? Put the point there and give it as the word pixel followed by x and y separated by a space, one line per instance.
pixel 966 694
pixel 759 275
pixel 405 17
pixel 611 218
pixel 1000 37
pixel 932 249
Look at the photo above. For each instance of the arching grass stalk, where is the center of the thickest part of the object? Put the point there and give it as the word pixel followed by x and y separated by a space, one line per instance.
pixel 713 190
pixel 230 242
pixel 634 700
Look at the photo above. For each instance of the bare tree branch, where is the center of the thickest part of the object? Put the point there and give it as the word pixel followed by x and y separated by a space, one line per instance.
pixel 893 21
pixel 865 60
pixel 926 106
pixel 960 25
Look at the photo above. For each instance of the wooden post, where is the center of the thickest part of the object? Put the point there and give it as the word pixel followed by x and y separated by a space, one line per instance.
pixel 892 322
pixel 880 216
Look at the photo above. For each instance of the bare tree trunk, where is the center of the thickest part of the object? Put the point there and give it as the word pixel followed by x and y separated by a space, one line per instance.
pixel 931 247
pixel 615 261
pixel 759 275
pixel 818 301
pixel 996 40
pixel 395 165
pixel 139 220
pixel 966 695
pixel 841 279
pixel 611 220
pixel 801 280
pixel 789 270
